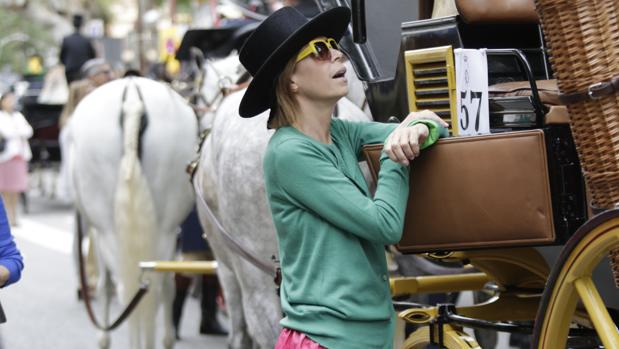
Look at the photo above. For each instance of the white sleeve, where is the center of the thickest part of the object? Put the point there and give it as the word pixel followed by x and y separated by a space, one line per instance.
pixel 23 127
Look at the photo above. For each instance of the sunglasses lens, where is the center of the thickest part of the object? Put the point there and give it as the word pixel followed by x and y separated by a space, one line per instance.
pixel 322 51
pixel 334 44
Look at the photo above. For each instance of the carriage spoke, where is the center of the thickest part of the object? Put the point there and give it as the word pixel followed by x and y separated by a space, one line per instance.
pixel 596 309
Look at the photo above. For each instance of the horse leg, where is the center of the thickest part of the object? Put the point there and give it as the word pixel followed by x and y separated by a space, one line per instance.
pixel 238 337
pixel 148 322
pixel 167 295
pixel 261 309
pixel 107 289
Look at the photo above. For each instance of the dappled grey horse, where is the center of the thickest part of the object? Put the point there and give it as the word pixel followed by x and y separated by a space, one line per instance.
pixel 230 179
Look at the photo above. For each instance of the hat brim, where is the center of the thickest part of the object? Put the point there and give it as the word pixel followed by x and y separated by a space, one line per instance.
pixel 260 93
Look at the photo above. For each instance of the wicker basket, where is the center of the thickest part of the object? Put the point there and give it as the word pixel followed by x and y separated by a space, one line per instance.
pixel 583 38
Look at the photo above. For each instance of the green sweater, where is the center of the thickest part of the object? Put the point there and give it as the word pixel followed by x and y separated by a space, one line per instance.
pixel 332 233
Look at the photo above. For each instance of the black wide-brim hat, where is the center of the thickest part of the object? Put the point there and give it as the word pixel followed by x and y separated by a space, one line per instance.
pixel 279 38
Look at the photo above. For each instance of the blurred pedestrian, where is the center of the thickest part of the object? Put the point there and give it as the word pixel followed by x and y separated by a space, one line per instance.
pixel 14 159
pixel 194 247
pixel 95 72
pixel 76 49
pixel 11 261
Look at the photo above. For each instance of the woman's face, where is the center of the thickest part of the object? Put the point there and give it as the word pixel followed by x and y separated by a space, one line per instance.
pixel 321 79
pixel 8 102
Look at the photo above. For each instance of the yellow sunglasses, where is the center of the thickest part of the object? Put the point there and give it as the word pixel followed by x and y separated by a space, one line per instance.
pixel 319 48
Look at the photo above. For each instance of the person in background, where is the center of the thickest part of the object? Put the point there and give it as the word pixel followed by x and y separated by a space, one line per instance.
pixel 14 159
pixel 331 230
pixel 75 50
pixel 11 260
pixel 195 247
pixel 95 73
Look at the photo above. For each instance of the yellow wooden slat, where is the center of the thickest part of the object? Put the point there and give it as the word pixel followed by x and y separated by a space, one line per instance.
pixel 432 58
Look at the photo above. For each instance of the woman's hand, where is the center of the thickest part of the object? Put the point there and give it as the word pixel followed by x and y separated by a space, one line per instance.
pixel 4 275
pixel 404 143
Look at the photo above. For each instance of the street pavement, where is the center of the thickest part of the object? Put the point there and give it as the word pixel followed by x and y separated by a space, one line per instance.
pixel 42 308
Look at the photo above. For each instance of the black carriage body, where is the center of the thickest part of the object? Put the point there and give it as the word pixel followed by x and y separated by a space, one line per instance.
pixel 388 96
pixel 44 121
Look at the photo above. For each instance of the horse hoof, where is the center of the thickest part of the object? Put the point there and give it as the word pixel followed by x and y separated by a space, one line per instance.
pixel 168 342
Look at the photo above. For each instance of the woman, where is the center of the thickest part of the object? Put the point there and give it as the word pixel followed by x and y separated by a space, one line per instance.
pixel 331 232
pixel 14 159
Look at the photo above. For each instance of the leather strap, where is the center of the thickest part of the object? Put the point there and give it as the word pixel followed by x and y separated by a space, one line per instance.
pixel 595 91
pixel 86 295
pixel 270 268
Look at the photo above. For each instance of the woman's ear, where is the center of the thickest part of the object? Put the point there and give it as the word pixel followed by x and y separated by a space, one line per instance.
pixel 294 88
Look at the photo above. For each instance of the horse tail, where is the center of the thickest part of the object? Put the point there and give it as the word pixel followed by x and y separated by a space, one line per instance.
pixel 135 219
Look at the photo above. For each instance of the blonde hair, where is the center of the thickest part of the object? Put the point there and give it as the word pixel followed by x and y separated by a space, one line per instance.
pixel 285 110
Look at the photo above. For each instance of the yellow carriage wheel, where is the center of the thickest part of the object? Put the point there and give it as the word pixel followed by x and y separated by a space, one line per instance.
pixel 571 295
pixel 452 339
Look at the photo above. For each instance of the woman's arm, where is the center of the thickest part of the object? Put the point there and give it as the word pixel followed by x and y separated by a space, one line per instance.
pixel 11 261
pixel 402 140
pixel 312 182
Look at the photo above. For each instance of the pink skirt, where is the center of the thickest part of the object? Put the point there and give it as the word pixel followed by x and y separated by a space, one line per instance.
pixel 14 175
pixel 291 339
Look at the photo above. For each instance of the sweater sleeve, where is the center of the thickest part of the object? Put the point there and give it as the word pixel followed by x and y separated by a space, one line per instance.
pixel 436 131
pixel 362 133
pixel 10 257
pixel 313 183
pixel 5 127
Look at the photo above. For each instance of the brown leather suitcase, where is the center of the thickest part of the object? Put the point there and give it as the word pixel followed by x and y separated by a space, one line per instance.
pixel 477 192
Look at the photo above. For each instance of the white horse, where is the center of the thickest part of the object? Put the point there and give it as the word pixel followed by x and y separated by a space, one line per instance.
pixel 219 77
pixel 230 178
pixel 134 200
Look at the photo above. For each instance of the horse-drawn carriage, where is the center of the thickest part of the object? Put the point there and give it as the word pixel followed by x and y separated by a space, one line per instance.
pixel 490 194
pixel 492 202
pixel 43 117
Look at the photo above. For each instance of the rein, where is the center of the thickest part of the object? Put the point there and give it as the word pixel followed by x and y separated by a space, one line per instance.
pixel 270 268
pixel 86 294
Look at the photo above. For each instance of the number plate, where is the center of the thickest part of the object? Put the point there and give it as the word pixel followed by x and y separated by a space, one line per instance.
pixel 472 91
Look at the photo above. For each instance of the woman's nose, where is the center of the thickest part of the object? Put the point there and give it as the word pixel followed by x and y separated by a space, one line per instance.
pixel 336 55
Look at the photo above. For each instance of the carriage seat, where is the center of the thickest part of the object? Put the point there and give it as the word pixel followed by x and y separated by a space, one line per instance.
pixel 493 11
pixel 548 92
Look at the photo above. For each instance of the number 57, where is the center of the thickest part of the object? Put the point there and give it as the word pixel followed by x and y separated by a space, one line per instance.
pixel 464 121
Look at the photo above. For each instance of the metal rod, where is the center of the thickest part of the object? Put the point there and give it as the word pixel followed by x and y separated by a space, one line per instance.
pixel 199 267
pixel 438 283
pixel 540 109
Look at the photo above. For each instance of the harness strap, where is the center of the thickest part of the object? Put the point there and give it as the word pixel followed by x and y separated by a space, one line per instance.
pixel 267 267
pixel 593 92
pixel 86 295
